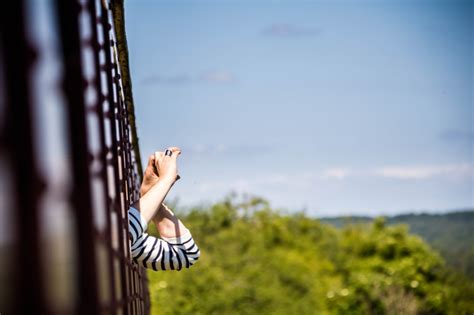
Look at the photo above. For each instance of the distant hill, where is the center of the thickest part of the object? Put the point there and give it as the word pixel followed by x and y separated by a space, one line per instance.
pixel 451 234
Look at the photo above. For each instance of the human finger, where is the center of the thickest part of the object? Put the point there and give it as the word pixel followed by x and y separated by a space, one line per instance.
pixel 173 152
pixel 159 157
pixel 169 152
pixel 151 160
pixel 174 149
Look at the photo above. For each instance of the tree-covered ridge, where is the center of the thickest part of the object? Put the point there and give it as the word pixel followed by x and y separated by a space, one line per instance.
pixel 451 234
pixel 255 260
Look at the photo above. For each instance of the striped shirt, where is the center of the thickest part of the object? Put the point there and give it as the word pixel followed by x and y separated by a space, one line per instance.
pixel 160 253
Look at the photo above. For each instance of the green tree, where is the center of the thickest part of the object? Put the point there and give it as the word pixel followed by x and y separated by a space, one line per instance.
pixel 255 260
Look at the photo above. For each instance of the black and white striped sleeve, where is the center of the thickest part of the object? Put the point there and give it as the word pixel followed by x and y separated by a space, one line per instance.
pixel 162 253
pixel 137 224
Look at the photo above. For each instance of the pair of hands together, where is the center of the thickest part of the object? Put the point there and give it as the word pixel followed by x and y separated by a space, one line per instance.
pixel 160 167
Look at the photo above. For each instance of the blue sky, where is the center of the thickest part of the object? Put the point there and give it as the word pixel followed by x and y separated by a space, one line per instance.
pixel 335 107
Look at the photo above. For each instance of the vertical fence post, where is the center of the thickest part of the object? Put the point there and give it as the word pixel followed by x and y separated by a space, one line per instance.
pixel 73 85
pixel 18 60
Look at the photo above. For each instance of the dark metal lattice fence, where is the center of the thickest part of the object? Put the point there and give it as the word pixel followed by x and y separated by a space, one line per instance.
pixel 67 169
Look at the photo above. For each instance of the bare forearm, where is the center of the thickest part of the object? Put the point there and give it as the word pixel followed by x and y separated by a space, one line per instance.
pixel 167 224
pixel 150 203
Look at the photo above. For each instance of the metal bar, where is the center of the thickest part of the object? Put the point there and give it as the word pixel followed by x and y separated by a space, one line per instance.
pixel 115 149
pixel 18 59
pixel 99 109
pixel 73 88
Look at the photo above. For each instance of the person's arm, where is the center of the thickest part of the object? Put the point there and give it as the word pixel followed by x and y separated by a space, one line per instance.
pixel 176 247
pixel 165 253
pixel 167 224
pixel 150 202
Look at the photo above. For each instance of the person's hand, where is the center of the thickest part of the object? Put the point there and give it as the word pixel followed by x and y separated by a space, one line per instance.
pixel 166 164
pixel 150 177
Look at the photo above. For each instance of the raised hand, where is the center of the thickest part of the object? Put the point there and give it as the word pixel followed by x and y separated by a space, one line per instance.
pixel 166 164
pixel 150 177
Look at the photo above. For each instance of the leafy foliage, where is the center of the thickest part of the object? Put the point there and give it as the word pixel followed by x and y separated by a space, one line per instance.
pixel 450 234
pixel 255 260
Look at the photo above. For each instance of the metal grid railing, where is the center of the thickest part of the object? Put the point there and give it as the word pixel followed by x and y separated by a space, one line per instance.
pixel 67 169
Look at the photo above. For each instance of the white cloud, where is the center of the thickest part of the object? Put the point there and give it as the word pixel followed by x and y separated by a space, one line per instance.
pixel 176 80
pixel 214 77
pixel 245 185
pixel 425 171
pixel 201 150
pixel 338 173
pixel 404 172
pixel 217 77
pixel 309 186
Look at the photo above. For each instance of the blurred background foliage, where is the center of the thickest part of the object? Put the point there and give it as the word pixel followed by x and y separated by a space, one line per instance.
pixel 257 260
